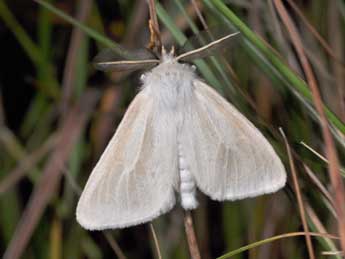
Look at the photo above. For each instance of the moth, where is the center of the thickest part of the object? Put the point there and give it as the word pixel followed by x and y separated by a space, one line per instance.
pixel 178 135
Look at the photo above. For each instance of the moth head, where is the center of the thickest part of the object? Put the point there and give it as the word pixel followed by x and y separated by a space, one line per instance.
pixel 167 56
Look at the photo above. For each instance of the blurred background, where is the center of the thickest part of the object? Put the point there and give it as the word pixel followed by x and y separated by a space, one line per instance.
pixel 57 114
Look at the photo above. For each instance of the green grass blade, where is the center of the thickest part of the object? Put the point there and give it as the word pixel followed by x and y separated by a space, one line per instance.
pixel 169 23
pixel 326 243
pixel 23 38
pixel 30 48
pixel 190 21
pixel 265 241
pixel 276 61
pixel 82 67
pixel 87 30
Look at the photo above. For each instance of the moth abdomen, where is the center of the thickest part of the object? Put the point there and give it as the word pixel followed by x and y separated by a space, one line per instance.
pixel 187 184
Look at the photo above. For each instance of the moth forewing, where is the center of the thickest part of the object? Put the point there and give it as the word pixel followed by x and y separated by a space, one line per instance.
pixel 126 188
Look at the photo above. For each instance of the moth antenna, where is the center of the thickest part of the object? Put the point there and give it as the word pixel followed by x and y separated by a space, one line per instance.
pixel 172 51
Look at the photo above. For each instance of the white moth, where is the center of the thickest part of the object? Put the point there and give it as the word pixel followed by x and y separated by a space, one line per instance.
pixel 177 135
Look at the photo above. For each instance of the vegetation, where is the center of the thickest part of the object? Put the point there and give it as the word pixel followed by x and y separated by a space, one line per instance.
pixel 286 73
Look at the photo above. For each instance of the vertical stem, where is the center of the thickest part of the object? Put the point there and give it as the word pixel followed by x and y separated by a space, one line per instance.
pixel 299 197
pixel 114 245
pixel 199 14
pixel 155 239
pixel 69 74
pixel 191 238
pixel 154 22
pixel 331 152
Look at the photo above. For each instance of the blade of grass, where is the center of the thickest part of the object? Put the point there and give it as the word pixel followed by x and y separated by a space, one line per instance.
pixel 155 239
pixel 342 170
pixel 336 39
pixel 82 68
pixel 267 67
pixel 318 183
pixel 30 48
pixel 10 207
pixel 15 149
pixel 316 34
pixel 114 245
pixel 26 164
pixel 90 248
pixel 196 6
pixel 276 61
pixel 45 189
pixel 317 226
pixel 299 198
pixel 271 239
pixel 87 30
pixel 232 214
pixel 41 104
pixel 38 109
pixel 56 239
pixel 69 75
pixel 23 38
pixel 331 153
pixel 137 17
pixel 341 7
pixel 44 28
pixel 333 253
pixel 186 15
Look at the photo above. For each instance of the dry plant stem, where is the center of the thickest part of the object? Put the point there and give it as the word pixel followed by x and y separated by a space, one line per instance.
pixel 155 239
pixel 277 30
pixel 191 237
pixel 154 21
pixel 299 198
pixel 337 43
pixel 199 14
pixel 69 133
pixel 109 104
pixel 135 24
pixel 181 22
pixel 318 225
pixel 27 164
pixel 153 37
pixel 318 183
pixel 114 245
pixel 274 238
pixel 83 9
pixel 331 154
pixel 333 253
pixel 56 234
pixel 316 34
